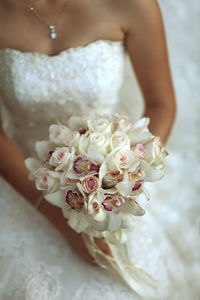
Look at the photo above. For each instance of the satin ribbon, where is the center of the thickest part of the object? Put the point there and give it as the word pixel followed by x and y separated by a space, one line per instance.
pixel 134 276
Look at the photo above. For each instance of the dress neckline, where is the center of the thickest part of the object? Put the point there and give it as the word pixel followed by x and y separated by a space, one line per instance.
pixel 77 48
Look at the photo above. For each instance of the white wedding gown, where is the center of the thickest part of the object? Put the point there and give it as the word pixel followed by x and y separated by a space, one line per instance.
pixel 36 263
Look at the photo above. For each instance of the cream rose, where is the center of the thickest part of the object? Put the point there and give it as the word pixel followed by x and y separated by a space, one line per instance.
pixel 99 141
pixel 94 146
pixel 46 180
pixel 61 158
pixel 155 153
pixel 61 135
pixel 100 125
pixel 119 138
pixel 123 158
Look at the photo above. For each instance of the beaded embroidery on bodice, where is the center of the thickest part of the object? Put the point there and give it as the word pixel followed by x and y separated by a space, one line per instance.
pixel 37 90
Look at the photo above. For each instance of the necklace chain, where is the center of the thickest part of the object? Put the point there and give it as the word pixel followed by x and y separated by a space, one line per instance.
pixel 52 29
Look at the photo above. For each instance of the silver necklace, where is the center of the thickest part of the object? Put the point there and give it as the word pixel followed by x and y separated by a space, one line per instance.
pixel 52 28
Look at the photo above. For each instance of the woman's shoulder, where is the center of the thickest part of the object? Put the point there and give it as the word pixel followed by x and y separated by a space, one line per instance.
pixel 135 11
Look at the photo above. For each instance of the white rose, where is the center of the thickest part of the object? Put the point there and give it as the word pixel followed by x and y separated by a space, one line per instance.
pixel 94 146
pixel 119 139
pixel 61 158
pixel 100 125
pixel 155 153
pixel 123 158
pixel 46 180
pixel 61 135
pixel 99 141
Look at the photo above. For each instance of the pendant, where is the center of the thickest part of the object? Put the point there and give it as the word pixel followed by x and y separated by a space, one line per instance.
pixel 52 32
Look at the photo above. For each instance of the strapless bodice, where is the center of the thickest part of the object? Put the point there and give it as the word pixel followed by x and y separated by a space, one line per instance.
pixel 37 90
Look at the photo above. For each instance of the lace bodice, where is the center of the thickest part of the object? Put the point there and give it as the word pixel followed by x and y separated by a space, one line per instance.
pixel 37 90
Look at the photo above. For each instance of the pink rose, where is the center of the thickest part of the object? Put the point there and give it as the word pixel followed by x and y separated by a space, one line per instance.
pixel 74 200
pixel 90 184
pixel 139 151
pixel 111 203
pixel 84 166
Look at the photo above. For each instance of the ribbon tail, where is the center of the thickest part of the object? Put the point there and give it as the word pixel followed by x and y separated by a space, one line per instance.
pixel 134 276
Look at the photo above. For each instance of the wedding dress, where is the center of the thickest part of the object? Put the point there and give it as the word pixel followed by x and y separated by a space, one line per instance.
pixel 36 262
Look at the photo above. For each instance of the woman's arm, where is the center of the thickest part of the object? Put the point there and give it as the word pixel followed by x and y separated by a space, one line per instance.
pixel 146 44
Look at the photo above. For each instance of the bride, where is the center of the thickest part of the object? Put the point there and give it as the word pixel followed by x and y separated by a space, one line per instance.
pixel 61 58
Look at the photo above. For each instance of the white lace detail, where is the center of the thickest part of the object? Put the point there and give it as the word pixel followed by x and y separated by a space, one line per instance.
pixel 38 89
pixel 34 281
pixel 41 283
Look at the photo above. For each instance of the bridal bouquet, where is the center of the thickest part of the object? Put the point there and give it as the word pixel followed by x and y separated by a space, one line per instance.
pixel 95 169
